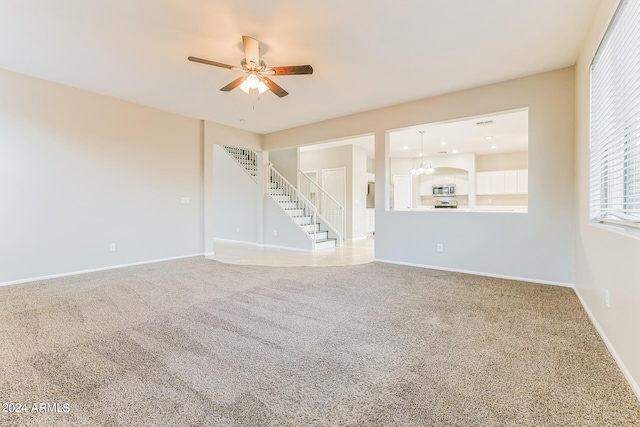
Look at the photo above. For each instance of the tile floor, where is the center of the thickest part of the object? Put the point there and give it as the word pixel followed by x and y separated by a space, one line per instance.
pixel 351 253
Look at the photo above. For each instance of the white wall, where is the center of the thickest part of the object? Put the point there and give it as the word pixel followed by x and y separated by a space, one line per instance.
pixel 236 200
pixel 281 230
pixel 537 245
pixel 605 258
pixel 217 134
pixel 79 171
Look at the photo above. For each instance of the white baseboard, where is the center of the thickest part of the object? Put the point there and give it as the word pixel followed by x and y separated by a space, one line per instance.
pixel 286 248
pixel 93 270
pixel 479 273
pixel 632 382
pixel 236 242
pixel 261 245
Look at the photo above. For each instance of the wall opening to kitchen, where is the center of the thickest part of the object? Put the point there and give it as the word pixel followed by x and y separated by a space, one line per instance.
pixel 477 164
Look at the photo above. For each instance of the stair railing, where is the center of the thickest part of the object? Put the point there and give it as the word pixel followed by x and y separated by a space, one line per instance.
pixel 243 156
pixel 274 177
pixel 328 207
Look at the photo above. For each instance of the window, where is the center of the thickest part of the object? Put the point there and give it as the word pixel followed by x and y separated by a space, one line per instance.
pixel 615 121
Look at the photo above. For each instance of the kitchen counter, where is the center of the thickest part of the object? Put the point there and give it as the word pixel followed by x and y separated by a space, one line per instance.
pixel 511 209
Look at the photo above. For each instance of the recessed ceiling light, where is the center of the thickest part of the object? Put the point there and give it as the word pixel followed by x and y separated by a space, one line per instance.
pixel 454 151
pixel 443 143
pixel 488 137
pixel 493 147
pixel 419 154
pixel 405 148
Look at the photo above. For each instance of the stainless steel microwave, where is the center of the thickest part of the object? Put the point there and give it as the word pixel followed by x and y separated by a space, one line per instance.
pixel 444 190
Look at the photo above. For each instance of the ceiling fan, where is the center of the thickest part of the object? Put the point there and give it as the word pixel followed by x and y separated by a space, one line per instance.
pixel 256 70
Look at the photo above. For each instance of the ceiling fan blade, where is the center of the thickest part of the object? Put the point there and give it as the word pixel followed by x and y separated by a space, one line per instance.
pixel 275 88
pixel 251 49
pixel 234 84
pixel 291 70
pixel 216 64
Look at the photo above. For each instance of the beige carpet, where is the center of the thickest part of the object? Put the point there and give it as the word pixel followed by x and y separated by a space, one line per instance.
pixel 198 343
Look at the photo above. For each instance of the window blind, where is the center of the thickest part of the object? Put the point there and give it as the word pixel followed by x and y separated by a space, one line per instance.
pixel 615 121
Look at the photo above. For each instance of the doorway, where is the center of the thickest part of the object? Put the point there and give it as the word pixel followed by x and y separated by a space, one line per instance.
pixel 334 182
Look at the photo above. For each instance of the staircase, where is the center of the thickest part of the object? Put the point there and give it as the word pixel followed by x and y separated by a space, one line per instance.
pixel 328 207
pixel 299 208
pixel 245 158
pixel 303 212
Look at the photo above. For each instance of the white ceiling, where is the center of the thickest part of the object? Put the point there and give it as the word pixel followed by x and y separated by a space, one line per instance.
pixel 365 54
pixel 508 132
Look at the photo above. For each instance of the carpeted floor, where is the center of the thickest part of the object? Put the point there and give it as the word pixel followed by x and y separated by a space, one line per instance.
pixel 197 342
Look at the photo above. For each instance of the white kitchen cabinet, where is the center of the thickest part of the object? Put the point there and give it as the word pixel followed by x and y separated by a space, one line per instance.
pixel 502 182
pixel 482 183
pixel 497 182
pixel 490 182
pixel 510 182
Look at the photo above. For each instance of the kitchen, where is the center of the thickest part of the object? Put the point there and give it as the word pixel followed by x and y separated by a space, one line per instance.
pixel 476 164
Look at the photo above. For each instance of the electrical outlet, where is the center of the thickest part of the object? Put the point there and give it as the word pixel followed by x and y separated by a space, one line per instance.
pixel 112 247
pixel 440 247
pixel 275 233
pixel 185 200
pixel 237 229
pixel 607 299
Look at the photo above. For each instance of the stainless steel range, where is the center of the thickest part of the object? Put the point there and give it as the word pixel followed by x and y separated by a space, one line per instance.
pixel 446 204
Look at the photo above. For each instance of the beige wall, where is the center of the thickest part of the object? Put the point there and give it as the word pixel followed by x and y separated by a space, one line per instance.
pixel 502 161
pixel 606 259
pixel 336 157
pixel 537 245
pixel 79 171
pixel 217 134
pixel 287 162
pixel 359 193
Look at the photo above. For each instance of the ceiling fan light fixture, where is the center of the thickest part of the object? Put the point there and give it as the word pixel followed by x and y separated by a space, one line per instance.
pixel 262 87
pixel 251 82
pixel 256 70
pixel 254 82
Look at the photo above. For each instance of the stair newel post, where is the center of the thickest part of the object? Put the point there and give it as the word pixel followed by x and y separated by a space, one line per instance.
pixel 314 222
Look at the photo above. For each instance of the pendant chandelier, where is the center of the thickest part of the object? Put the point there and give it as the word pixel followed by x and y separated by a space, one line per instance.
pixel 423 168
